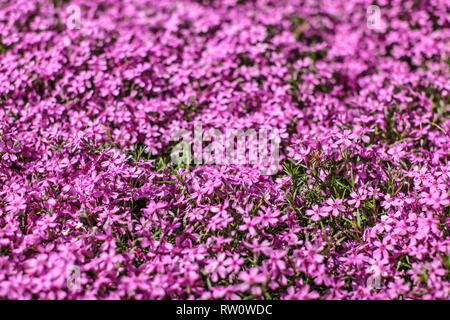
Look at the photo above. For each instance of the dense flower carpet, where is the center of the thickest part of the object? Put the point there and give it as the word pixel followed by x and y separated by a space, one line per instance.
pixel 93 205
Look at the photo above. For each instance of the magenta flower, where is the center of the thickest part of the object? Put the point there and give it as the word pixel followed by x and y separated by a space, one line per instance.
pixel 217 268
pixel 356 198
pixel 252 277
pixel 334 206
pixel 16 203
pixel 345 138
pixel 316 213
pixel 234 263
pixel 350 117
pixel 383 248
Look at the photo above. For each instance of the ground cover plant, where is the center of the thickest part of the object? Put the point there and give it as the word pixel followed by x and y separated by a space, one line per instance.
pixel 92 205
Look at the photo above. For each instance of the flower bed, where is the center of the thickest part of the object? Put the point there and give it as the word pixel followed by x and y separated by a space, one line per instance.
pixel 92 205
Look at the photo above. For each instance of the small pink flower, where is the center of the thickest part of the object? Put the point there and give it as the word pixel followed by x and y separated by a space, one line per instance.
pixel 334 206
pixel 315 212
pixel 357 198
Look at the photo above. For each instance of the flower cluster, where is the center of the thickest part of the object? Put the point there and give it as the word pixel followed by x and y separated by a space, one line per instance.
pixel 358 210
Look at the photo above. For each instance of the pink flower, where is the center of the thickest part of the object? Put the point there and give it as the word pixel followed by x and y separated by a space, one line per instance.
pixel 345 138
pixel 334 206
pixel 217 268
pixel 234 263
pixel 249 224
pixel 434 198
pixel 16 204
pixel 315 212
pixel 253 276
pixel 357 198
pixel 301 293
pixel 388 201
pixel 383 247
